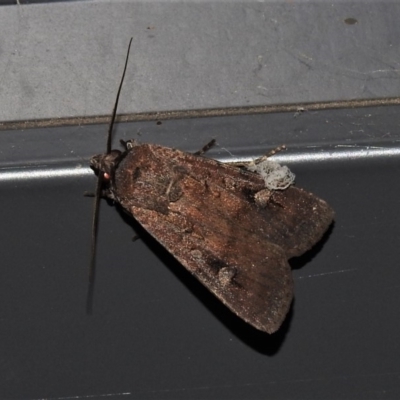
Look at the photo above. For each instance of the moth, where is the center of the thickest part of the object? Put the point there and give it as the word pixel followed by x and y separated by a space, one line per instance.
pixel 225 224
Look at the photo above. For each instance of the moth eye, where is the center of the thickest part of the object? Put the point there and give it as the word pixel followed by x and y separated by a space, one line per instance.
pixel 106 176
pixel 226 274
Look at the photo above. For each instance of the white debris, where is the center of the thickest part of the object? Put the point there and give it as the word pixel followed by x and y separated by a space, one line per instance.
pixel 276 176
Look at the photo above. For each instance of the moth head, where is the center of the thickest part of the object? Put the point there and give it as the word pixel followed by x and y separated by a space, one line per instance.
pixel 105 163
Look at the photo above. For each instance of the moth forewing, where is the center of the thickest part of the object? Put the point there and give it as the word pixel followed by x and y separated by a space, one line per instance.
pixel 210 217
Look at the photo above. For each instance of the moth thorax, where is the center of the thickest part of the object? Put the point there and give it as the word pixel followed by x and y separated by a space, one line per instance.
pixel 105 162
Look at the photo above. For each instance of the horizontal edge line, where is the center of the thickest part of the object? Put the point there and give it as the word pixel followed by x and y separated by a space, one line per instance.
pixel 296 158
pixel 199 113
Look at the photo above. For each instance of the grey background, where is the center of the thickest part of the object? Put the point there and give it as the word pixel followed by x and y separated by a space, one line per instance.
pixel 65 59
pixel 156 333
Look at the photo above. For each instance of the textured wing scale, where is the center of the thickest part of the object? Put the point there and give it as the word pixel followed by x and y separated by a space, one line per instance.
pixel 206 214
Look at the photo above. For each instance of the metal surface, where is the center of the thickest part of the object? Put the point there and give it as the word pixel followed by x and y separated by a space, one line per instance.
pixel 64 59
pixel 156 332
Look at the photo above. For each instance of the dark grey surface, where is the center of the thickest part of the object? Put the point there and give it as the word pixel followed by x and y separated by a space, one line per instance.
pixel 156 333
pixel 65 59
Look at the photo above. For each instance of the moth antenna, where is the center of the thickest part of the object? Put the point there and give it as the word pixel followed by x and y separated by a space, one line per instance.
pixel 96 206
pixel 95 224
pixel 114 113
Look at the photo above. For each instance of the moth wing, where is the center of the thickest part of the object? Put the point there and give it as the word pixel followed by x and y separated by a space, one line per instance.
pixel 249 275
pixel 186 203
pixel 293 219
pixel 206 214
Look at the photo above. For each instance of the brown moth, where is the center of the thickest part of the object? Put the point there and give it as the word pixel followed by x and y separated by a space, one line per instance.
pixel 225 224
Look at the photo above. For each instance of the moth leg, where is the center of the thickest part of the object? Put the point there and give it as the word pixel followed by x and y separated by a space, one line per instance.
pixel 135 237
pixel 257 160
pixel 270 154
pixel 128 144
pixel 103 194
pixel 205 148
